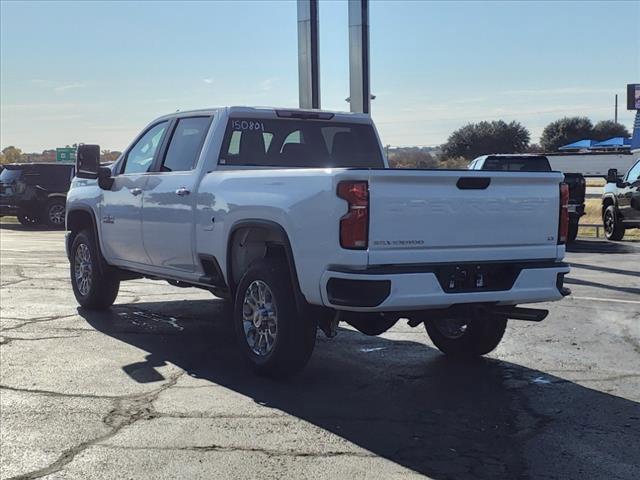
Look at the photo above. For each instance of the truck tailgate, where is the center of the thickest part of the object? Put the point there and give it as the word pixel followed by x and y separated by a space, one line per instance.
pixel 462 216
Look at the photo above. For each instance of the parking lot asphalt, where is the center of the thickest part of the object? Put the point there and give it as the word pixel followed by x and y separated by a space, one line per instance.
pixel 154 388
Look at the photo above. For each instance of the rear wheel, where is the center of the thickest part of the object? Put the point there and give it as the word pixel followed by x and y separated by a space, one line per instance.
pixel 55 211
pixel 273 336
pixel 466 337
pixel 93 287
pixel 613 227
pixel 28 220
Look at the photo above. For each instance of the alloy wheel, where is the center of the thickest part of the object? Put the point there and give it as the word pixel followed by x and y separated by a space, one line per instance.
pixel 56 214
pixel 83 269
pixel 260 318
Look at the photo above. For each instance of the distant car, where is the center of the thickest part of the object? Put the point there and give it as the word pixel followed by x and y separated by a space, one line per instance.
pixel 539 163
pixel 621 202
pixel 35 192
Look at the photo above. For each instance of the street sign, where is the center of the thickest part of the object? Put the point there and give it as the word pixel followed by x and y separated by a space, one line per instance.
pixel 66 154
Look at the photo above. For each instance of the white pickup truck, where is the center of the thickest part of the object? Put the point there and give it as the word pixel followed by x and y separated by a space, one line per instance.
pixel 295 218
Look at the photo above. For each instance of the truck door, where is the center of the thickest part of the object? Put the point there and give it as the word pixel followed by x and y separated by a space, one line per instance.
pixel 168 212
pixel 121 210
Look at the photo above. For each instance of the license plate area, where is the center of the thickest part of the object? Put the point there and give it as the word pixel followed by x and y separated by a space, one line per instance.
pixel 477 277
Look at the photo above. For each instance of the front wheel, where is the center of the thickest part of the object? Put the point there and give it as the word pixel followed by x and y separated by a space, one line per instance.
pixel 466 337
pixel 93 288
pixel 273 336
pixel 613 227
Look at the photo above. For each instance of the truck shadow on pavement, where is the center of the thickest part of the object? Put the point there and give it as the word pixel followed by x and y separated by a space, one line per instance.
pixel 603 246
pixel 402 400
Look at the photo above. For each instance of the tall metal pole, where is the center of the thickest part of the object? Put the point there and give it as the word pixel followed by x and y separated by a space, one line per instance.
pixel 616 114
pixel 308 54
pixel 359 84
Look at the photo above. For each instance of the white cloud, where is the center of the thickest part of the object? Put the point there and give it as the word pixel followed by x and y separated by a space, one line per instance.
pixel 208 81
pixel 70 86
pixel 561 91
pixel 267 84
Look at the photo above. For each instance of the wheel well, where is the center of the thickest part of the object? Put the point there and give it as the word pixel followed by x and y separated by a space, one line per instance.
pixel 606 203
pixel 78 220
pixel 252 243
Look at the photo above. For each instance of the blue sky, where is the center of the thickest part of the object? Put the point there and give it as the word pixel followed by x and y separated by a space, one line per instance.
pixel 99 71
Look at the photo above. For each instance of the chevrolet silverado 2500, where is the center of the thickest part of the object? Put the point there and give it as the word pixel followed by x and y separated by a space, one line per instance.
pixel 296 219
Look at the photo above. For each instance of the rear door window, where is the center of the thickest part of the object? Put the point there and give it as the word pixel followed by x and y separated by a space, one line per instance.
pixel 185 145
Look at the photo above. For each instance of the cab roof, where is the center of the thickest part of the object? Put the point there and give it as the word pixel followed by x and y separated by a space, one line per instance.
pixel 273 112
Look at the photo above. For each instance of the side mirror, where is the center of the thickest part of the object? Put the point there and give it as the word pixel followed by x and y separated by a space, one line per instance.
pixel 88 161
pixel 612 175
pixel 105 182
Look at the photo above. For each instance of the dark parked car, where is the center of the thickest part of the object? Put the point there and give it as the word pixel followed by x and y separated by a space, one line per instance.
pixel 35 192
pixel 621 202
pixel 539 163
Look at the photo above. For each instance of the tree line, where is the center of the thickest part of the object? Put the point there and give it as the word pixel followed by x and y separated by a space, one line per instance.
pixel 12 154
pixel 475 139
pixel 464 144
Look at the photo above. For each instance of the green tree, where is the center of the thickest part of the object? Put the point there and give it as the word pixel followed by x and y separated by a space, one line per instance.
pixel 109 156
pixel 411 157
pixel 564 131
pixel 483 138
pixel 607 129
pixel 11 154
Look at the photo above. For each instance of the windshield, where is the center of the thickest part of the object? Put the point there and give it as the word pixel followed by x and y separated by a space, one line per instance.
pixel 300 143
pixel 10 175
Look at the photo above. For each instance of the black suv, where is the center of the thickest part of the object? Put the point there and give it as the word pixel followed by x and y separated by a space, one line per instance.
pixel 35 192
pixel 621 202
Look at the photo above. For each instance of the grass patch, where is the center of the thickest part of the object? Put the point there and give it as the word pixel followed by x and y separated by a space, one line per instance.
pixel 596 182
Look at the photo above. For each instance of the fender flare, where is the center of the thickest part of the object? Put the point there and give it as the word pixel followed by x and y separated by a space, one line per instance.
pixel 94 226
pixel 610 196
pixel 301 301
pixel 57 195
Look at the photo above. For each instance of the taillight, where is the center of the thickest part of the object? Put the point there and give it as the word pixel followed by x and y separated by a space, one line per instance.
pixel 563 226
pixel 354 225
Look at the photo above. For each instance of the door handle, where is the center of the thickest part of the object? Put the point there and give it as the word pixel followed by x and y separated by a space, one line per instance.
pixel 136 191
pixel 182 191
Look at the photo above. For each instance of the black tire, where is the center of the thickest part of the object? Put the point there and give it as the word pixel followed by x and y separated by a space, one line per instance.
pixel 295 336
pixel 101 290
pixel 479 337
pixel 54 212
pixel 613 227
pixel 573 231
pixel 28 220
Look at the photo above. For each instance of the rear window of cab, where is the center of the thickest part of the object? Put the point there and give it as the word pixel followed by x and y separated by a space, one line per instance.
pixel 300 143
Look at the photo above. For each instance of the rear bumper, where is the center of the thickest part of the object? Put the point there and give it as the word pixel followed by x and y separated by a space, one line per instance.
pixel 418 288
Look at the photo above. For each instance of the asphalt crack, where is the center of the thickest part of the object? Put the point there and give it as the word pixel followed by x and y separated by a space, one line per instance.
pixel 235 448
pixel 126 412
